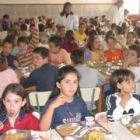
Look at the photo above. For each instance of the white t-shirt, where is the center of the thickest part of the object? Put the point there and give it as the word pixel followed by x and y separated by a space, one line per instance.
pixel 115 15
pixel 136 71
pixel 71 22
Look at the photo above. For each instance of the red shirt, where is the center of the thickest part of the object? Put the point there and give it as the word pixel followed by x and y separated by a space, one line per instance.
pixel 116 55
pixel 27 121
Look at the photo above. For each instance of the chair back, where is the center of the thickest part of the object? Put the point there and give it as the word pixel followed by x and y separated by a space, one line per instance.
pixel 90 95
pixel 138 88
pixel 39 98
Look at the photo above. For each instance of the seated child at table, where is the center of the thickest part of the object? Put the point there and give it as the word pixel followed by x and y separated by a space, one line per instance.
pixel 7 75
pixel 57 55
pixel 26 47
pixel 43 77
pixel 15 110
pixel 112 54
pixel 94 48
pixel 131 61
pixel 7 47
pixel 89 77
pixel 65 104
pixel 124 101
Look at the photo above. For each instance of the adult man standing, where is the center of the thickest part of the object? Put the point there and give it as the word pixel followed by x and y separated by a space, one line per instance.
pixel 116 13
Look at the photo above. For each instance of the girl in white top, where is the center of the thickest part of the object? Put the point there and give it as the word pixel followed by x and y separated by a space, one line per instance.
pixel 67 18
pixel 7 76
pixel 124 101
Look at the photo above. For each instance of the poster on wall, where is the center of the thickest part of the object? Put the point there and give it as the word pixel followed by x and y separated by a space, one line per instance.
pixel 53 1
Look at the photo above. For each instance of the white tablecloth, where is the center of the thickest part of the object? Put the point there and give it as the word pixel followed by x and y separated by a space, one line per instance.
pixel 55 135
pixel 122 132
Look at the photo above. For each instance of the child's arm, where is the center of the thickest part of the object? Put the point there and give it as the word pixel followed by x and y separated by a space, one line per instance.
pixel 47 118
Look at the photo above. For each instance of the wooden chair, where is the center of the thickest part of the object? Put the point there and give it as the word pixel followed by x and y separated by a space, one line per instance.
pixel 39 98
pixel 90 95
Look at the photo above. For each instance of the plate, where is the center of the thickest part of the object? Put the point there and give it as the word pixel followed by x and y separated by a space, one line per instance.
pixel 16 134
pixel 68 129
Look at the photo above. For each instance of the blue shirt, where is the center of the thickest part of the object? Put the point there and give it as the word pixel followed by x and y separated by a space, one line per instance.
pixel 68 113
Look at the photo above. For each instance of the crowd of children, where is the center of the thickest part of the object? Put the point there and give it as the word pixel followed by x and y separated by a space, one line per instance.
pixel 39 44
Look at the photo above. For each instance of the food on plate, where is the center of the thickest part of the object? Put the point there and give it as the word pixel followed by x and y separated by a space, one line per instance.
pixel 66 130
pixel 16 136
pixel 95 134
pixel 135 130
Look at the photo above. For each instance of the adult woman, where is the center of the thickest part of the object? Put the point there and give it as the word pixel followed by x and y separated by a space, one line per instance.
pixel 67 18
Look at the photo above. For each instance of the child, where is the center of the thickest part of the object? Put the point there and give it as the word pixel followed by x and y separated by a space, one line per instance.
pixel 93 51
pixel 64 104
pixel 7 75
pixel 89 77
pixel 131 61
pixel 24 57
pixel 43 77
pixel 80 35
pixel 69 43
pixel 6 52
pixel 15 110
pixel 124 101
pixel 57 55
pixel 112 54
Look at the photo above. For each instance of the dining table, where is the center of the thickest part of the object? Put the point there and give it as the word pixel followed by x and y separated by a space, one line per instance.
pixel 120 131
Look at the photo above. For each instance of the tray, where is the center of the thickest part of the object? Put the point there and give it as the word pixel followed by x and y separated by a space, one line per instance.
pixel 16 134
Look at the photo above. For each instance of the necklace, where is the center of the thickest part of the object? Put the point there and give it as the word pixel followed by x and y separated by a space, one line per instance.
pixel 70 113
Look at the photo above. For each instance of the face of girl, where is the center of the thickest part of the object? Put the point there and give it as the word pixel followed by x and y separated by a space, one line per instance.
pixel 127 86
pixel 13 104
pixel 131 39
pixel 97 43
pixel 23 47
pixel 68 86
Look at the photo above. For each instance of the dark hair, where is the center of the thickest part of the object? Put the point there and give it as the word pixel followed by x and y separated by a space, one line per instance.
pixel 135 48
pixel 77 56
pixel 16 89
pixel 27 21
pixel 65 5
pixel 23 27
pixel 109 33
pixel 3 63
pixel 118 76
pixel 70 38
pixel 23 39
pixel 60 76
pixel 6 16
pixel 56 40
pixel 41 27
pixel 112 38
pixel 119 29
pixel 113 26
pixel 42 51
pixel 8 40
pixel 138 31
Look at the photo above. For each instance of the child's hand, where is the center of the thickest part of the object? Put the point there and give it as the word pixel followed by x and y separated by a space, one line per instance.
pixel 60 100
pixel 20 74
pixel 1 125
pixel 16 63
pixel 102 118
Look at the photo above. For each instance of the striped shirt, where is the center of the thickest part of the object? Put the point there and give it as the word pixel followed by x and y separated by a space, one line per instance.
pixel 26 59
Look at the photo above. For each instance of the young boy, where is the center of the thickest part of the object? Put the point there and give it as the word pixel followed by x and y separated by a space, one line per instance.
pixel 89 77
pixel 131 61
pixel 24 57
pixel 43 76
pixel 6 52
pixel 57 55
pixel 112 54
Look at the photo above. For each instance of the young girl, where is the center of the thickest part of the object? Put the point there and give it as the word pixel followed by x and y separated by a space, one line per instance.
pixel 15 110
pixel 7 75
pixel 93 52
pixel 124 101
pixel 64 104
